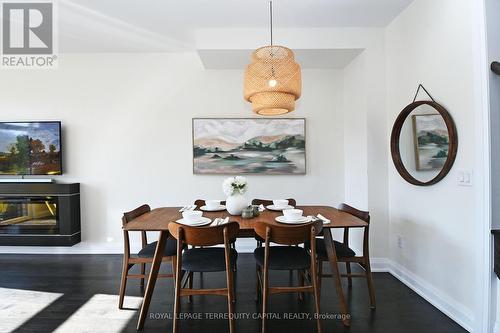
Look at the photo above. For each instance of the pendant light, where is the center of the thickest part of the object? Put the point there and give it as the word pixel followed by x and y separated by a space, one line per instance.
pixel 272 80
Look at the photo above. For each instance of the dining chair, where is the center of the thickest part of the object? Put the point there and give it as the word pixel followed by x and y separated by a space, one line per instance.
pixel 204 258
pixel 265 203
pixel 144 256
pixel 346 255
pixel 287 258
pixel 200 203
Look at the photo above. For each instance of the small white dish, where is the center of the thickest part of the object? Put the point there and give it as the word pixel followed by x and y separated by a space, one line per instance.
pixel 212 204
pixel 191 215
pixel 279 209
pixel 292 214
pixel 216 209
pixel 280 203
pixel 196 223
pixel 301 220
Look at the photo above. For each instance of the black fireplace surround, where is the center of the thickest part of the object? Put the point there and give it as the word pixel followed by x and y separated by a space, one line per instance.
pixel 39 214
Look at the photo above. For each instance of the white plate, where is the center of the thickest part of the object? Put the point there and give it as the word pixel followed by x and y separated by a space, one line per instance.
pixel 198 223
pixel 272 207
pixel 218 209
pixel 303 219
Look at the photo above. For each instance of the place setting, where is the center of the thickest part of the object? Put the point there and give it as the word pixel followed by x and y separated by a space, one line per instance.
pixel 213 206
pixel 295 216
pixel 194 218
pixel 279 205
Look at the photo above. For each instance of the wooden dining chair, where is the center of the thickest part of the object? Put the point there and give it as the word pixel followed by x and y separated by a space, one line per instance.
pixel 204 258
pixel 346 255
pixel 265 203
pixel 287 258
pixel 144 256
pixel 200 203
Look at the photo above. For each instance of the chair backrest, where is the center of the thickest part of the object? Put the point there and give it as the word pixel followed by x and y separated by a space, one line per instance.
pixel 288 234
pixel 363 215
pixel 265 202
pixel 204 236
pixel 201 202
pixel 129 216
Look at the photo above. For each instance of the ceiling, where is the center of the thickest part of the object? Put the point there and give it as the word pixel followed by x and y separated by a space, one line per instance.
pixel 167 25
pixel 307 58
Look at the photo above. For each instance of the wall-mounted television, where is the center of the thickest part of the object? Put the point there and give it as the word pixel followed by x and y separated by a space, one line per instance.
pixel 30 148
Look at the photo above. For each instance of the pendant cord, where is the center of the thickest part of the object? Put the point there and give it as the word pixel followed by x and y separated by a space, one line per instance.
pixel 271 19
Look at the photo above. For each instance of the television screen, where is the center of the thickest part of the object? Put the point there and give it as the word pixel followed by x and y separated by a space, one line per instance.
pixel 30 148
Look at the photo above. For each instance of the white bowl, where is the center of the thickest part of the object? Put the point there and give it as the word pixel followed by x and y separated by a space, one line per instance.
pixel 192 215
pixel 292 214
pixel 212 204
pixel 280 203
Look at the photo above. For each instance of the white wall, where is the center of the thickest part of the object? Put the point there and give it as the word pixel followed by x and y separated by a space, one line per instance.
pixel 493 32
pixel 433 43
pixel 127 131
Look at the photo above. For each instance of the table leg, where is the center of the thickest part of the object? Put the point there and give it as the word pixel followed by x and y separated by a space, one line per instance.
pixel 332 256
pixel 153 275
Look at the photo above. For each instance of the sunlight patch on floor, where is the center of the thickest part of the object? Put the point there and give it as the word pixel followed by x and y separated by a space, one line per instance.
pixel 101 314
pixel 17 306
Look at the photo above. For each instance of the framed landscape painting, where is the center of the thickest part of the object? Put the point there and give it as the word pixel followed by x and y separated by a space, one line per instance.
pixel 431 141
pixel 249 146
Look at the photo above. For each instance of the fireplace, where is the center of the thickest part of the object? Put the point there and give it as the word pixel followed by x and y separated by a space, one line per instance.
pixel 29 215
pixel 46 214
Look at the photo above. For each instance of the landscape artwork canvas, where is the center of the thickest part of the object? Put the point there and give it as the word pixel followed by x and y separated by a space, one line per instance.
pixel 431 141
pixel 249 146
pixel 30 148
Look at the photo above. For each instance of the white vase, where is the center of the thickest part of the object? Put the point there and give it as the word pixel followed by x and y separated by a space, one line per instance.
pixel 235 203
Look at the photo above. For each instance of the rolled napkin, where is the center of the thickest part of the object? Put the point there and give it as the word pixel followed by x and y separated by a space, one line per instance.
pixel 215 222
pixel 324 219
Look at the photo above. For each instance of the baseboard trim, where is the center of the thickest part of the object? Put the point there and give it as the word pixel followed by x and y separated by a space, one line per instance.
pixel 456 311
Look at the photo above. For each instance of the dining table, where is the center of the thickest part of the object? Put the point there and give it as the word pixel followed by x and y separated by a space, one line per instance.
pixel 158 220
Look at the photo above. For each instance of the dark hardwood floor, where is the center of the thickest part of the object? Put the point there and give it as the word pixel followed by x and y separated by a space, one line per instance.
pixel 80 277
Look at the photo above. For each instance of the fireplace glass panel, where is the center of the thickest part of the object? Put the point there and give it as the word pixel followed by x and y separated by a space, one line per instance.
pixel 38 215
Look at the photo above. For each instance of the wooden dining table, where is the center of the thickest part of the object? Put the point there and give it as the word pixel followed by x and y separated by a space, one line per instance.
pixel 159 218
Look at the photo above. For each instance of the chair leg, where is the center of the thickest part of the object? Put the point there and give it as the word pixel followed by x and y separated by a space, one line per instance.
pixel 230 300
pixel 301 283
pixel 174 265
pixel 257 284
pixel 143 271
pixel 320 277
pixel 317 290
pixel 177 300
pixel 348 271
pixel 265 296
pixel 190 285
pixel 123 283
pixel 369 280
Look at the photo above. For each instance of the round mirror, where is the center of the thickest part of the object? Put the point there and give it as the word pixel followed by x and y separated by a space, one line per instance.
pixel 424 143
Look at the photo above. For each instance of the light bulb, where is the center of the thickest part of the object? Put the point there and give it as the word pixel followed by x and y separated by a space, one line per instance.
pixel 272 83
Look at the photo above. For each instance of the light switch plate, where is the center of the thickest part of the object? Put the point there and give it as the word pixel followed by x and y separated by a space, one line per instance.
pixel 464 177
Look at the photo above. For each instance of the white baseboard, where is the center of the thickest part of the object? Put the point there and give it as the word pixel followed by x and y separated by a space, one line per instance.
pixel 80 248
pixel 453 309
pixel 456 311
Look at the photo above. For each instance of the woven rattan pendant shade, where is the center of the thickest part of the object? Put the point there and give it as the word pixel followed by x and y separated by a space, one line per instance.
pixel 272 81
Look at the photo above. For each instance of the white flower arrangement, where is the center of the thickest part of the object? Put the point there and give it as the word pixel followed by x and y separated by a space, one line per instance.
pixel 233 185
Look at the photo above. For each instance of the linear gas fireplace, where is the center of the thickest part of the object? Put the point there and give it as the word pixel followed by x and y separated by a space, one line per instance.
pixel 39 214
pixel 29 215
